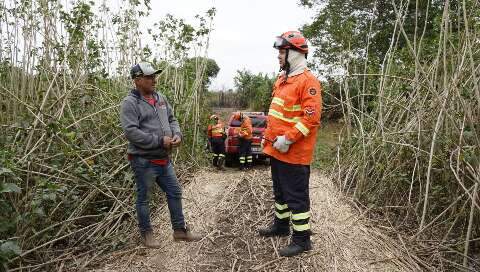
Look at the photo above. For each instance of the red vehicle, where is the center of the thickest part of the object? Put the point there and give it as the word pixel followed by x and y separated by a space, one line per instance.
pixel 259 123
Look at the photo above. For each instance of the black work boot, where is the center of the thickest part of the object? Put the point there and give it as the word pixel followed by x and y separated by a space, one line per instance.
pixel 278 228
pixel 220 162
pixel 215 161
pixel 299 244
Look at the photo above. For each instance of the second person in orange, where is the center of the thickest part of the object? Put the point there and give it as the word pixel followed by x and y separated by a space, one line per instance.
pixel 245 140
pixel 216 137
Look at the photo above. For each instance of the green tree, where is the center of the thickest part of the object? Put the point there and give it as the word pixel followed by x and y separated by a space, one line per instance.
pixel 407 86
pixel 63 74
pixel 359 37
pixel 254 90
pixel 357 31
pixel 209 68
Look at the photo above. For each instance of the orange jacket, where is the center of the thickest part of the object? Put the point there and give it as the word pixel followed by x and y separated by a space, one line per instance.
pixel 246 129
pixel 294 112
pixel 216 131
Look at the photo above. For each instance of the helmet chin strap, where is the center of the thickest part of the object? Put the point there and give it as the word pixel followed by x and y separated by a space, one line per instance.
pixel 286 66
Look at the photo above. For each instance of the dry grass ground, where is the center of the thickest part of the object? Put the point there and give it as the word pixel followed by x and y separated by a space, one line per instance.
pixel 229 206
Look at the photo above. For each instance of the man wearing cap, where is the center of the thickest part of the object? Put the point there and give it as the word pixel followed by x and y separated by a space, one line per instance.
pixel 152 131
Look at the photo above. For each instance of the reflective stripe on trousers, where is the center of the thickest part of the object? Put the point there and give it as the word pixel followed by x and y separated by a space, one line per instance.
pixel 300 221
pixel 291 191
pixel 282 211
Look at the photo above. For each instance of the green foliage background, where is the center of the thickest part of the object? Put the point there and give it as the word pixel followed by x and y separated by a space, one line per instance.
pixel 65 182
pixel 403 76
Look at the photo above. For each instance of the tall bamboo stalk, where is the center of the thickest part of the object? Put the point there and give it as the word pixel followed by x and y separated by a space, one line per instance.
pixel 66 147
pixel 421 135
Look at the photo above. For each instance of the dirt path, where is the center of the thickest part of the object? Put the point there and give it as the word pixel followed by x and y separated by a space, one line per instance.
pixel 229 206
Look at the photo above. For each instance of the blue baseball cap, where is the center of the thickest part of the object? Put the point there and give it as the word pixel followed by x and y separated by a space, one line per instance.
pixel 143 69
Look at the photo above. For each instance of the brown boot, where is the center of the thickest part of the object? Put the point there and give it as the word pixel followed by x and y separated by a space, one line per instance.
pixel 149 241
pixel 185 235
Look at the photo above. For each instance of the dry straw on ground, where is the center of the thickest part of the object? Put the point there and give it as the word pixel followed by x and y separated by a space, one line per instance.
pixel 228 207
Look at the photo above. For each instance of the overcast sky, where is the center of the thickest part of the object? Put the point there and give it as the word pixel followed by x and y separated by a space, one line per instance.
pixel 244 31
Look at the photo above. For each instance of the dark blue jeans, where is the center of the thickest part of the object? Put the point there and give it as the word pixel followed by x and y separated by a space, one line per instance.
pixel 146 174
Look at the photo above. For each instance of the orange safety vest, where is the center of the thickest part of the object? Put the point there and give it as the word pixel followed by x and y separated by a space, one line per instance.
pixel 246 129
pixel 294 112
pixel 216 131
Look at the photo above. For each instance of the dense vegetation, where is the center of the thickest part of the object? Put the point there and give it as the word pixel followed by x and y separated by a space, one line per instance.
pixel 404 76
pixel 65 188
pixel 252 91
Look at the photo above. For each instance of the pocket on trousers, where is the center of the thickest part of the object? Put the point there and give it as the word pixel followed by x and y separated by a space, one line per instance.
pixel 139 162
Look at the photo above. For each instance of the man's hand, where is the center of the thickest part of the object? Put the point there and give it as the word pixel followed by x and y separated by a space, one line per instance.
pixel 176 140
pixel 282 144
pixel 167 142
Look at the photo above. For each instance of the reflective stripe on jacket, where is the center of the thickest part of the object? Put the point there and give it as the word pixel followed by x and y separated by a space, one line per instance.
pixel 216 130
pixel 295 112
pixel 246 129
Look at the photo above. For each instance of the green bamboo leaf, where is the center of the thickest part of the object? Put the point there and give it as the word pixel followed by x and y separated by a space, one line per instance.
pixel 10 248
pixel 10 187
pixel 4 171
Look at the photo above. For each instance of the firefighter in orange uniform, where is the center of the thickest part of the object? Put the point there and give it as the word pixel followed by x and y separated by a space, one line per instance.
pixel 216 137
pixel 289 140
pixel 245 140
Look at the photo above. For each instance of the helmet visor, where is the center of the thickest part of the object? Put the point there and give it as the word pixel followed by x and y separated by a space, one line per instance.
pixel 281 43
